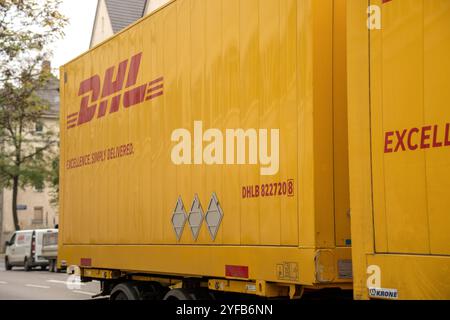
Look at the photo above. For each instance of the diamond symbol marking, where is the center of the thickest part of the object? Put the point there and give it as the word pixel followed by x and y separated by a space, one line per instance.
pixel 195 218
pixel 214 216
pixel 179 218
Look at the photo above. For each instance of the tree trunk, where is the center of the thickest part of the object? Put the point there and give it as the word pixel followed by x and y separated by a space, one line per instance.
pixel 15 191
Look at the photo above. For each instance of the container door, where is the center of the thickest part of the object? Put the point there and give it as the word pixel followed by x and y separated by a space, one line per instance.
pixel 410 107
pixel 39 241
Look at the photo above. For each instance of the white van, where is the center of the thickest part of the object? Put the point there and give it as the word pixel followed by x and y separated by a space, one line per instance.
pixel 50 249
pixel 25 249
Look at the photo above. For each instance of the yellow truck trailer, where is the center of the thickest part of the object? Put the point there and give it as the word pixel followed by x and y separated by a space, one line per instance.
pixel 399 138
pixel 234 146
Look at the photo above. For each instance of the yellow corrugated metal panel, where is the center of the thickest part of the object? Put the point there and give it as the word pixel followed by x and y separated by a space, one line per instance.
pixel 360 169
pixel 406 55
pixel 398 156
pixel 437 95
pixel 305 58
pixel 232 64
pixel 231 91
pixel 322 138
pixel 340 125
pixel 397 77
pixel 289 115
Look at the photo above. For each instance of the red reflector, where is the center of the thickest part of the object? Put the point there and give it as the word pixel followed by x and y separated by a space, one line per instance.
pixel 236 271
pixel 86 262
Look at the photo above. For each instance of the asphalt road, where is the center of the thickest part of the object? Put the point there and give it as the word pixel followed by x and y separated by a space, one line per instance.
pixel 18 284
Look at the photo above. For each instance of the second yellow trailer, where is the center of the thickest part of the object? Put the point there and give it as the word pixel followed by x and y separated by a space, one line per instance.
pixel 399 139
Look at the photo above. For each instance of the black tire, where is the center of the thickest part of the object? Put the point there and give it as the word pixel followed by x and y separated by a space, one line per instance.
pixel 200 294
pixel 120 296
pixel 151 291
pixel 43 268
pixel 27 264
pixel 180 295
pixel 125 291
pixel 8 267
pixel 203 294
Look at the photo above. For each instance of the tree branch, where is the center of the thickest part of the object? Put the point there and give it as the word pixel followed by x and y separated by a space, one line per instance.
pixel 38 150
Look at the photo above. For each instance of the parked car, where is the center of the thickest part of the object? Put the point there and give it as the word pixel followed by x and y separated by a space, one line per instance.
pixel 25 249
pixel 50 249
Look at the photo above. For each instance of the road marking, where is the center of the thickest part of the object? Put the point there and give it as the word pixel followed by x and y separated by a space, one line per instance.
pixel 57 281
pixel 85 292
pixel 65 282
pixel 37 286
pixel 3 282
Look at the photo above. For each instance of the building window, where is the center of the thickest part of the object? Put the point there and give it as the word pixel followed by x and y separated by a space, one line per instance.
pixel 39 188
pixel 39 127
pixel 38 217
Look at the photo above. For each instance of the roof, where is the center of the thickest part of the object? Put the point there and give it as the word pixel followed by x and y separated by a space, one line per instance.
pixel 123 13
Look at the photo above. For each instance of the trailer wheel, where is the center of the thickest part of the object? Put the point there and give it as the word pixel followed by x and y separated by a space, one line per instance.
pixel 152 291
pixel 189 294
pixel 124 291
pixel 179 294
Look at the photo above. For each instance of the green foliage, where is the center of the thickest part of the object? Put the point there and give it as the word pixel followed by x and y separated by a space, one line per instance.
pixel 54 181
pixel 27 28
pixel 24 152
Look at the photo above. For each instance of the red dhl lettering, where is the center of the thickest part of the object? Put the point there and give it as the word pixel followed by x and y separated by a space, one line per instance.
pixel 95 99
pixel 413 139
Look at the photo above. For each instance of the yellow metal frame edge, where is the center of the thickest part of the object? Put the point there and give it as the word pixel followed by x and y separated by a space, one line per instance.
pixel 206 261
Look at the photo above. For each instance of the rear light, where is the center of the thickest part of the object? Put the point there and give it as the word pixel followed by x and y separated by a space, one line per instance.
pixel 236 271
pixel 33 246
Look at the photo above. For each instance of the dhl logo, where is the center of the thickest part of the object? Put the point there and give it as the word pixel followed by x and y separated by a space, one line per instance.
pixel 94 97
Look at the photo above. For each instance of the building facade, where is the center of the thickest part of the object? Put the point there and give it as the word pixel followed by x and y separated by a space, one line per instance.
pixel 112 16
pixel 35 210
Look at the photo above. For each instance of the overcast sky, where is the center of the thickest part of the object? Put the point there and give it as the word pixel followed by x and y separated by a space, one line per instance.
pixel 81 15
